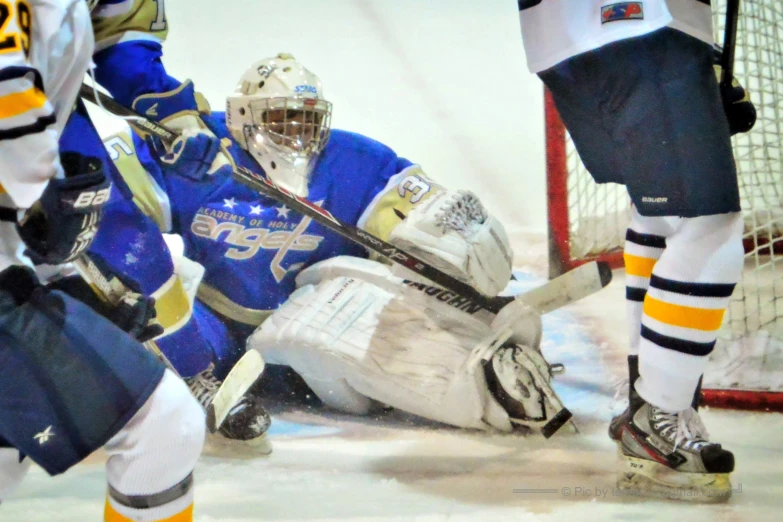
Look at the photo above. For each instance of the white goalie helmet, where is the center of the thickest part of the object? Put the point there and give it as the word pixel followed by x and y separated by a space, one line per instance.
pixel 279 115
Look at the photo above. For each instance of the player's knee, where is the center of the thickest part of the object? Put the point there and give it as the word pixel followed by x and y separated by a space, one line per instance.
pixel 712 246
pixel 160 445
pixel 12 471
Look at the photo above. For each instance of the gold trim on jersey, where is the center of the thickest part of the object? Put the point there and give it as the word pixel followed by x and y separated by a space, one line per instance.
pixel 202 105
pixel 143 20
pixel 172 305
pixel 147 195
pixel 404 191
pixel 217 301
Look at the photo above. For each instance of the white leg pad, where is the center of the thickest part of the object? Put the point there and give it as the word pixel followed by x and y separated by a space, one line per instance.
pixel 354 332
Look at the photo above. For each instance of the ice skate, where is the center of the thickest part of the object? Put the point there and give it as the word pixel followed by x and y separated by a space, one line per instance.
pixel 664 454
pixel 247 421
pixel 519 378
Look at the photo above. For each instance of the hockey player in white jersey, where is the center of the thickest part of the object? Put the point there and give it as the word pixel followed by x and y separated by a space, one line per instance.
pixel 70 380
pixel 635 86
pixel 358 335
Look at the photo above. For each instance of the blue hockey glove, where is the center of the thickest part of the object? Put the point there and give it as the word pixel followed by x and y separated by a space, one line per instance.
pixel 63 223
pixel 196 154
pixel 191 155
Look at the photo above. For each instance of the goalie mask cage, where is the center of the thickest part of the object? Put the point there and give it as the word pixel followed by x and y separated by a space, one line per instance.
pixel 587 221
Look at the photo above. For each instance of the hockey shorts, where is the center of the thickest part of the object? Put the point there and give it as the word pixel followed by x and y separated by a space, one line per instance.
pixel 646 112
pixel 69 379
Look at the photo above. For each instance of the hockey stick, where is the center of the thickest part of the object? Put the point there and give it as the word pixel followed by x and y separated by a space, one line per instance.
pixel 729 43
pixel 112 294
pixel 558 292
pixel 241 377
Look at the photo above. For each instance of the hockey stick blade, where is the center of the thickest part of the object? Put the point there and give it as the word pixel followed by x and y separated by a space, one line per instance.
pixel 572 286
pixel 241 377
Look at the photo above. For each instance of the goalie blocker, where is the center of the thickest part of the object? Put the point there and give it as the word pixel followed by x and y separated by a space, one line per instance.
pixel 361 338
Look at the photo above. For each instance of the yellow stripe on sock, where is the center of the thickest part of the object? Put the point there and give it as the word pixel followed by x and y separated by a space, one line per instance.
pixel 18 103
pixel 111 515
pixel 638 265
pixel 684 316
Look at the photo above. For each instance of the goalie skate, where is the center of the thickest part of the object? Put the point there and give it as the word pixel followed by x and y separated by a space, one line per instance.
pixel 519 378
pixel 246 423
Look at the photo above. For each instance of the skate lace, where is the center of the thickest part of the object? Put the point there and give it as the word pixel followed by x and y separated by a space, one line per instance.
pixel 683 428
pixel 204 386
pixel 461 211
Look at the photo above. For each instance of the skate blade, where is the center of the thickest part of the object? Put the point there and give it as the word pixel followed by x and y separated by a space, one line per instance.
pixel 217 445
pixel 645 478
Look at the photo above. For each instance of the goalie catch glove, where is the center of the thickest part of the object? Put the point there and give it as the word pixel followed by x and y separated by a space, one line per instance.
pixel 454 232
pixel 739 109
pixel 197 153
pixel 63 223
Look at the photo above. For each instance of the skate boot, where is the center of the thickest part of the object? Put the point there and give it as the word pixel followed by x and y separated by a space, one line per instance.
pixel 519 379
pixel 247 421
pixel 665 454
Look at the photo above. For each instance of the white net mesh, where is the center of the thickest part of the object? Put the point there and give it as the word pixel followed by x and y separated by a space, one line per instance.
pixel 753 330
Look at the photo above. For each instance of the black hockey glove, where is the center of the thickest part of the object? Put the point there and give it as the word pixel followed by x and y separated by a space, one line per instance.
pixel 63 223
pixel 20 282
pixel 134 313
pixel 740 111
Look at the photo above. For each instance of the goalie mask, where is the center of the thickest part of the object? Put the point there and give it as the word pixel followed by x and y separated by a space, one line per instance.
pixel 278 114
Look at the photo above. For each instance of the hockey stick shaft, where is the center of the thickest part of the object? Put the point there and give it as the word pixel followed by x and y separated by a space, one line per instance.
pixel 263 185
pixel 103 288
pixel 558 292
pixel 729 43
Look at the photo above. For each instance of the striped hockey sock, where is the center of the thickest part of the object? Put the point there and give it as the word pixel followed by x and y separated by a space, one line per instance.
pixel 683 308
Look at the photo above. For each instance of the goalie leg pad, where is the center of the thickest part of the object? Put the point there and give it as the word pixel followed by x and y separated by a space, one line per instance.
pixel 365 337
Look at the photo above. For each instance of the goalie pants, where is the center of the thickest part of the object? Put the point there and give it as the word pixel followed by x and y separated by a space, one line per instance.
pixel 646 112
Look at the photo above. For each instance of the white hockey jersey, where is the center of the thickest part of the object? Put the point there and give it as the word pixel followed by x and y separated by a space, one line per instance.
pixel 555 30
pixel 45 49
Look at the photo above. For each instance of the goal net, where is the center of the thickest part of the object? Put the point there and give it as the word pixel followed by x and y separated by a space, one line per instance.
pixel 588 221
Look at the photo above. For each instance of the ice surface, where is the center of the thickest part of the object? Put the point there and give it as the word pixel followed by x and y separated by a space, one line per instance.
pixel 333 467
